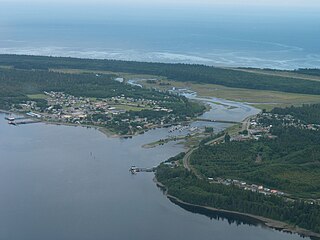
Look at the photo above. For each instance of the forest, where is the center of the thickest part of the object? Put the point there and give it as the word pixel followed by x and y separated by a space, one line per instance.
pixel 179 72
pixel 306 113
pixel 188 188
pixel 309 71
pixel 289 162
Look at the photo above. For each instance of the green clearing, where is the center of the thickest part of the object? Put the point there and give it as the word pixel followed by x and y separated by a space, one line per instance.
pixel 119 74
pixel 129 108
pixel 37 96
pixel 262 99
pixel 6 67
pixel 279 73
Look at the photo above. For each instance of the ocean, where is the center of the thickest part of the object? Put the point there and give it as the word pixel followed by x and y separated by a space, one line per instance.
pixel 219 36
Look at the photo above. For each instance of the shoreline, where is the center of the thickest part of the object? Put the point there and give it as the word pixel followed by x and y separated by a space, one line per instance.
pixel 103 130
pixel 273 224
pixel 267 222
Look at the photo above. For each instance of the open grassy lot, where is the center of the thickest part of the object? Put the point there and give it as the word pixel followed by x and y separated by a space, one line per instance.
pixel 37 96
pixel 119 74
pixel 262 99
pixel 280 73
pixel 129 108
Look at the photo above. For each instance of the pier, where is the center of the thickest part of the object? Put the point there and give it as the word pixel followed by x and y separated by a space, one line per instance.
pixel 26 122
pixel 15 118
pixel 135 169
pixel 20 120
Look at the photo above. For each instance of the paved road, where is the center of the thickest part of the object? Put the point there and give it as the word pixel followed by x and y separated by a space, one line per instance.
pixel 187 165
pixel 186 159
pixel 246 123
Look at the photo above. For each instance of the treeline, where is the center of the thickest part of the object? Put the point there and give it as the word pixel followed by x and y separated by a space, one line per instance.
pixel 306 113
pixel 309 71
pixel 178 72
pixel 185 186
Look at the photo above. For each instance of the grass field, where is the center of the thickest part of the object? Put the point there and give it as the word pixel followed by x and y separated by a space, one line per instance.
pixel 6 67
pixel 129 108
pixel 120 74
pixel 261 99
pixel 280 74
pixel 37 96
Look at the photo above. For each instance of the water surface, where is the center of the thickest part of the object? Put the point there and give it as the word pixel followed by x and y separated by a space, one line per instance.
pixel 62 182
pixel 267 37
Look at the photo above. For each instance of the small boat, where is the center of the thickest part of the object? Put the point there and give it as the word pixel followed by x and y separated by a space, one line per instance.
pixel 133 169
pixel 12 123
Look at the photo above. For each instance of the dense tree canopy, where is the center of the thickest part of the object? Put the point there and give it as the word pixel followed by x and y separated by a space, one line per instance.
pixel 289 163
pixel 179 72
pixel 306 113
pixel 184 185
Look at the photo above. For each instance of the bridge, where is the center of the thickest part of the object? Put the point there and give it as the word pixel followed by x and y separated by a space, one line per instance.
pixel 217 121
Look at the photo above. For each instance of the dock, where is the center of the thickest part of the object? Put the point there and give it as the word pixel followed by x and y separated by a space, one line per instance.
pixel 135 169
pixel 15 118
pixel 20 120
pixel 26 122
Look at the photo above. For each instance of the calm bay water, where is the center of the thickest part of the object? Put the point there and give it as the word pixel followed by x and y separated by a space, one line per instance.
pixel 60 182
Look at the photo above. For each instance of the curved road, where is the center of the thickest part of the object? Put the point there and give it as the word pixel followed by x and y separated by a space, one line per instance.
pixel 186 158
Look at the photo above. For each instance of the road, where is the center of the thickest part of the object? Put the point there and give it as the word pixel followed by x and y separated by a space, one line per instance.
pixel 186 159
pixel 187 165
pixel 246 123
